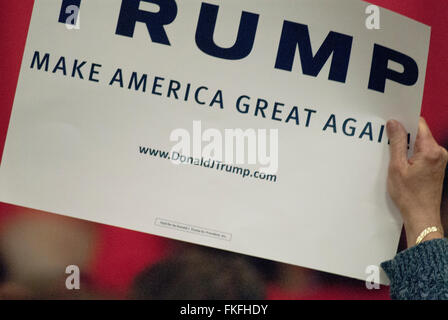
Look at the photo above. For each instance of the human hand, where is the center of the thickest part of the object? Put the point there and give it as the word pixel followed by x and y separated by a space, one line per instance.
pixel 415 184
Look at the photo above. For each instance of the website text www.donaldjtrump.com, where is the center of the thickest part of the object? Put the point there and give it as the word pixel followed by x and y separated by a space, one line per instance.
pixel 175 156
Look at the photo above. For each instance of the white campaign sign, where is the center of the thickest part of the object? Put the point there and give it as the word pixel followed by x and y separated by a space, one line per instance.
pixel 98 99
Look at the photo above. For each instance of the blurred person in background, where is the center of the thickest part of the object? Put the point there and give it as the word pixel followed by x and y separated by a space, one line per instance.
pixel 2 271
pixel 200 273
pixel 36 249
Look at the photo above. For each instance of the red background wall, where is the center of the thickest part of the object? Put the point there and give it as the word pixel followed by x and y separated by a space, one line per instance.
pixel 122 253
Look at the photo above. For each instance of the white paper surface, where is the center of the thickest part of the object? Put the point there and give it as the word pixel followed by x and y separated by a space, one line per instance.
pixel 73 145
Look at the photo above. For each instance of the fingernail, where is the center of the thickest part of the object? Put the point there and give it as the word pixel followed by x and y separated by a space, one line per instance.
pixel 392 125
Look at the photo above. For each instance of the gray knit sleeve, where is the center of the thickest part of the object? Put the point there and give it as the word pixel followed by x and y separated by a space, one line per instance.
pixel 420 272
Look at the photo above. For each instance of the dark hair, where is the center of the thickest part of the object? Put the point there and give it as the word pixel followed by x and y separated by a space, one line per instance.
pixel 445 182
pixel 2 270
pixel 445 200
pixel 200 274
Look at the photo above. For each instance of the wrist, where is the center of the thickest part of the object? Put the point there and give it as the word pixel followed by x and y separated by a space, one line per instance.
pixel 417 220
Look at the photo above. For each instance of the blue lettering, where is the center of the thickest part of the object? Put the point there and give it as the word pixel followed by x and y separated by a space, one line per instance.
pixel 337 44
pixel 206 27
pixel 130 14
pixel 380 72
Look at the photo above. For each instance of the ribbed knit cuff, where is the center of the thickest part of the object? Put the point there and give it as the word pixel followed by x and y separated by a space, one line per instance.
pixel 418 270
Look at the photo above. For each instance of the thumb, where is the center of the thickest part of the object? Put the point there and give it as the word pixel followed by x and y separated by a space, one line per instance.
pixel 398 138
